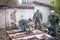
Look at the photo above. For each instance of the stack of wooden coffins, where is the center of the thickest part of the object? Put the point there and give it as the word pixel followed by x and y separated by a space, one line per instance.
pixel 28 35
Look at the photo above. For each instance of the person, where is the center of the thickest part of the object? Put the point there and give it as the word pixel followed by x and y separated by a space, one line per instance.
pixel 37 18
pixel 53 19
pixel 13 17
pixel 23 24
pixel 31 23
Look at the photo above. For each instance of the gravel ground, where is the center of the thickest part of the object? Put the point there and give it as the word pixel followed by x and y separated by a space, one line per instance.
pixel 3 35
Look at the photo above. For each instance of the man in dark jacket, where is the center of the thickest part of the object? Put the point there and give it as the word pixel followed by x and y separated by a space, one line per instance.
pixel 54 21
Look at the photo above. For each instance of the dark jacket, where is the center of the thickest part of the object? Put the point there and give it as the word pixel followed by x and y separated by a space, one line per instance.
pixel 53 19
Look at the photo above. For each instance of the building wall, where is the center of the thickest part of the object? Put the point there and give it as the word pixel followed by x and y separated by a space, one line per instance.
pixel 26 13
pixel 45 12
pixel 2 18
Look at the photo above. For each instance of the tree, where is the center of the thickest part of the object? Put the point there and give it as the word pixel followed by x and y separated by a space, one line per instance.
pixel 56 5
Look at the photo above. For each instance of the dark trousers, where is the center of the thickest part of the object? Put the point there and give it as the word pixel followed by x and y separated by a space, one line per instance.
pixel 23 26
pixel 14 24
pixel 55 28
pixel 39 25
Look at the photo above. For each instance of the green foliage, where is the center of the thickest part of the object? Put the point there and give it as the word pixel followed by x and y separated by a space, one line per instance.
pixel 56 5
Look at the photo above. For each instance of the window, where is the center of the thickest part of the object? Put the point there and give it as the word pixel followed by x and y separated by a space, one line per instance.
pixel 20 1
pixel 24 1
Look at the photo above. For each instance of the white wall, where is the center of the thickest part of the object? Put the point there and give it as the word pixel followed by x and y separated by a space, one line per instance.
pixel 45 12
pixel 27 13
pixel 2 18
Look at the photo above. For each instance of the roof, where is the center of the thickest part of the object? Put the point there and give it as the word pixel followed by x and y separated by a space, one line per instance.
pixel 25 6
pixel 42 4
pixel 21 6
